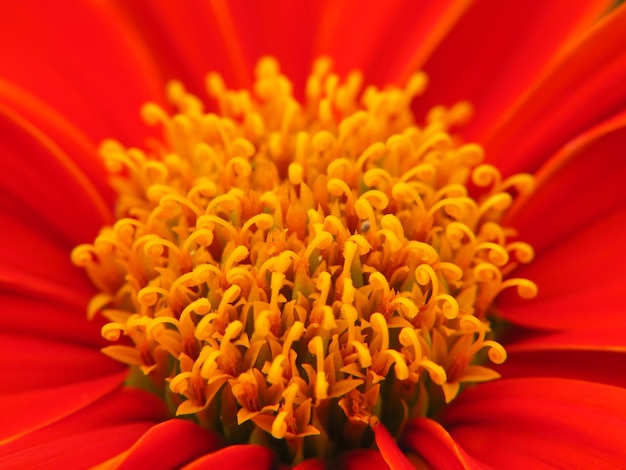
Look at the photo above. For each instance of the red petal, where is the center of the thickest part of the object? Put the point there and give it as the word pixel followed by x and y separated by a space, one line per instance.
pixel 576 220
pixel 35 264
pixel 592 339
pixel 87 437
pixel 25 412
pixel 186 40
pixel 361 459
pixel 31 364
pixel 236 457
pixel 584 88
pixel 540 423
pixel 390 450
pixel 261 29
pixel 497 50
pixel 169 445
pixel 434 445
pixel 577 186
pixel 43 187
pixel 594 366
pixel 592 258
pixel 75 58
pixel 181 35
pixel 58 129
pixel 311 464
pixel 402 35
pixel 36 317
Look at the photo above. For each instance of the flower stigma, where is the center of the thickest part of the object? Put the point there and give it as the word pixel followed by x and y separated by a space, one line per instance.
pixel 295 274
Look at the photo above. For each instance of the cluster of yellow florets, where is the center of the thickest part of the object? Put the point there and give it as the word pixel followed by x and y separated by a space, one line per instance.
pixel 276 263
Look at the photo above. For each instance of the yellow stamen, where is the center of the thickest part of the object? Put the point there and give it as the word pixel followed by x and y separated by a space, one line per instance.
pixel 281 265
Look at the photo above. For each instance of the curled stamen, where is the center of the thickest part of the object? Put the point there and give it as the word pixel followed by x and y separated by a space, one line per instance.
pixel 525 288
pixel 404 192
pixel 149 296
pixel 486 175
pixel 400 367
pixel 283 262
pixel 424 275
pixel 338 188
pixel 451 306
pixel 374 152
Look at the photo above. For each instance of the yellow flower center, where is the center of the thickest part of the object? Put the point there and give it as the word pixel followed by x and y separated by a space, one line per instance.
pixel 294 274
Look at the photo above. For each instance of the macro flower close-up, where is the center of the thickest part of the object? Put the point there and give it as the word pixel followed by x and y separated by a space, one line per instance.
pixel 313 235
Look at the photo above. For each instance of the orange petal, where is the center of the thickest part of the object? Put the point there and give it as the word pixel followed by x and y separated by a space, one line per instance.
pixel 170 444
pixel 281 28
pixel 390 450
pixel 576 221
pixel 580 280
pixel 187 40
pixel 497 50
pixel 582 89
pixel 606 338
pixel 387 41
pixel 434 445
pixel 55 125
pixel 59 130
pixel 43 186
pixel 311 464
pixel 74 58
pixel 34 263
pixel 578 185
pixel 25 412
pixel 361 459
pixel 540 423
pixel 32 364
pixel 38 317
pixel 593 366
pixel 238 457
pixel 87 437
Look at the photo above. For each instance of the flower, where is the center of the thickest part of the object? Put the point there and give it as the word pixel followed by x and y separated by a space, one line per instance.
pixel 556 111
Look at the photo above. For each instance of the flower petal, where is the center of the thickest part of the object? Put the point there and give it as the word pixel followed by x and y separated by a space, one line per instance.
pixel 361 459
pixel 593 258
pixel 181 35
pixel 32 364
pixel 403 33
pixel 99 81
pixel 237 457
pixel 575 187
pixel 25 412
pixel 390 450
pixel 87 437
pixel 169 445
pixel 62 132
pixel 36 317
pixel 592 339
pixel 584 88
pixel 576 220
pixel 311 464
pixel 434 445
pixel 540 423
pixel 26 255
pixel 489 63
pixel 261 29
pixel 71 215
pixel 34 314
pixel 186 40
pixel 593 366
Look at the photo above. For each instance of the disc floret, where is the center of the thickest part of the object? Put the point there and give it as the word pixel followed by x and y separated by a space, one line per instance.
pixel 294 274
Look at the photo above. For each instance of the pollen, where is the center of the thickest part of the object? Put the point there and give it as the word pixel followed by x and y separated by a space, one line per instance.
pixel 293 273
